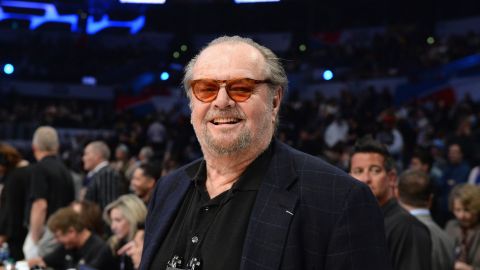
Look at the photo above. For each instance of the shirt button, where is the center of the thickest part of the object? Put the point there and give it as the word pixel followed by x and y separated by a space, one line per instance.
pixel 206 209
pixel 195 239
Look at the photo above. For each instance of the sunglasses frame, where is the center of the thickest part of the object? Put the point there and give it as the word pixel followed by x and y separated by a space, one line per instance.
pixel 227 84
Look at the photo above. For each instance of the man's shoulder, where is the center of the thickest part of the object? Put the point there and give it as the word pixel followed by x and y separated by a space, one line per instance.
pixel 398 219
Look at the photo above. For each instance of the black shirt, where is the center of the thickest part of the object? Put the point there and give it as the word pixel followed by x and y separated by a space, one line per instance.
pixel 213 229
pixel 52 181
pixel 95 254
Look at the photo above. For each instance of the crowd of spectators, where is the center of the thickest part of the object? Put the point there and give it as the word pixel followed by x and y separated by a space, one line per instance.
pixel 397 51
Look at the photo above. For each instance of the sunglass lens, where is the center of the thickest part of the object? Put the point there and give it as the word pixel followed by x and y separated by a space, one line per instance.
pixel 205 91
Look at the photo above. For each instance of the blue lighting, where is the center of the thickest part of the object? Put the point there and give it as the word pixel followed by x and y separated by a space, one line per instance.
pixel 8 69
pixel 143 1
pixel 255 1
pixel 164 76
pixel 327 75
pixel 51 14
pixel 94 27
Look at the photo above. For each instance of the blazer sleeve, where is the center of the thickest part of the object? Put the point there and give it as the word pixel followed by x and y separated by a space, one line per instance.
pixel 358 240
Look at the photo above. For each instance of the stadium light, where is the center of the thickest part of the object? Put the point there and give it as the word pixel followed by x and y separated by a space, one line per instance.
pixel 327 75
pixel 164 76
pixel 8 69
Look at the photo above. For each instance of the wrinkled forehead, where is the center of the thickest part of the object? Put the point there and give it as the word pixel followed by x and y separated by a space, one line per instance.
pixel 228 61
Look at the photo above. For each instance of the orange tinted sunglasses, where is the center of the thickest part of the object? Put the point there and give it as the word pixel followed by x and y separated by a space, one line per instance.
pixel 206 90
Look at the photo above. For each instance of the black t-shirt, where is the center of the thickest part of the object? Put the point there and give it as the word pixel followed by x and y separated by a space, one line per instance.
pixel 213 230
pixel 52 181
pixel 95 254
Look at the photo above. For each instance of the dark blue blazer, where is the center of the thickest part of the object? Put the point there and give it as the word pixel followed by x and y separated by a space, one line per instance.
pixel 307 215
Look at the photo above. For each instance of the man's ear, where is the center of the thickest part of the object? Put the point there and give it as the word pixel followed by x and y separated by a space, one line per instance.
pixel 277 98
pixel 392 178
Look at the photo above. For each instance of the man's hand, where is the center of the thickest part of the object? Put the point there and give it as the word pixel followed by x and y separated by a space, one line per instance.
pixel 462 266
pixel 36 261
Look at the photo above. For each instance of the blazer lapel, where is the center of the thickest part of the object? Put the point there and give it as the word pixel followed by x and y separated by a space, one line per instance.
pixel 163 215
pixel 272 213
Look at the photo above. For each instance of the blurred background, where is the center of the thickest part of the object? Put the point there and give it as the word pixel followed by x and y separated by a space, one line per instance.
pixel 406 72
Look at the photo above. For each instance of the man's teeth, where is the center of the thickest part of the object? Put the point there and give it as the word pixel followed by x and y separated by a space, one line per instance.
pixel 225 121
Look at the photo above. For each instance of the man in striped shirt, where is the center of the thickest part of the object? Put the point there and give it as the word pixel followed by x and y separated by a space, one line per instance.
pixel 103 183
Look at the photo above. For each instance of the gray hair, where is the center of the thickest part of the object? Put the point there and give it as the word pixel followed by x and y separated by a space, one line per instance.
pixel 132 208
pixel 100 148
pixel 45 138
pixel 274 70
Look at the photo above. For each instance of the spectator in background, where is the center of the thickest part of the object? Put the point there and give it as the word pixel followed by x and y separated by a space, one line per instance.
pixel 421 160
pixel 123 215
pixel 474 175
pixel 122 163
pixel 146 154
pixel 336 132
pixel 390 135
pixel 103 183
pixel 407 238
pixel 91 215
pixel 456 172
pixel 15 174
pixel 465 228
pixel 415 193
pixel 79 245
pixel 156 135
pixel 144 179
pixel 51 188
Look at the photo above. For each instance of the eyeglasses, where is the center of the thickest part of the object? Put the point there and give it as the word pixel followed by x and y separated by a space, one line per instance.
pixel 206 90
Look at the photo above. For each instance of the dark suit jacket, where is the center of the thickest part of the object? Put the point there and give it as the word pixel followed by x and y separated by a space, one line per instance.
pixel 307 215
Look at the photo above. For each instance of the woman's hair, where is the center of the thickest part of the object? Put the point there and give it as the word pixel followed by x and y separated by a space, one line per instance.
pixel 468 195
pixel 134 211
pixel 9 157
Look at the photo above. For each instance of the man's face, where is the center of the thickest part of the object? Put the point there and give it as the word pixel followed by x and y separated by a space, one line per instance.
pixel 416 164
pixel 370 169
pixel 67 239
pixel 90 158
pixel 223 126
pixel 455 154
pixel 140 184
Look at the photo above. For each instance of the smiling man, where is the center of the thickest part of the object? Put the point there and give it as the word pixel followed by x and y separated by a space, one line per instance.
pixel 252 202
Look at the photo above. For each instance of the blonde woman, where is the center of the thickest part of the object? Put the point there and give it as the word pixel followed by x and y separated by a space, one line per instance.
pixel 124 216
pixel 465 228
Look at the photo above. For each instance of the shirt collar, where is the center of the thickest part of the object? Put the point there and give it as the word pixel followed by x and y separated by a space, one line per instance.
pixel 250 179
pixel 97 168
pixel 420 212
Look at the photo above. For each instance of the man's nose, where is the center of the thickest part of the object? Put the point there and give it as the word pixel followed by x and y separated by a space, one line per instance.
pixel 223 100
pixel 365 177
